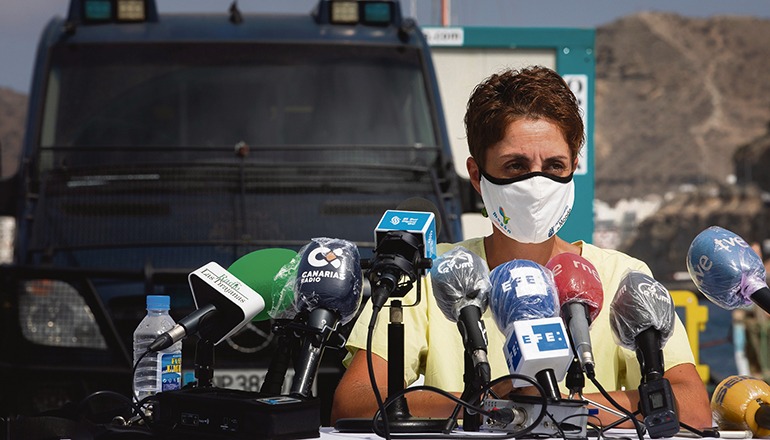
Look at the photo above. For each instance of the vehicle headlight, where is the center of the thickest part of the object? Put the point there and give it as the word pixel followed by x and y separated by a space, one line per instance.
pixel 51 312
pixel 7 231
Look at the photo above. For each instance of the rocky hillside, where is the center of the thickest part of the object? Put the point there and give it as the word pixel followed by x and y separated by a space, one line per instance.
pixel 682 105
pixel 675 98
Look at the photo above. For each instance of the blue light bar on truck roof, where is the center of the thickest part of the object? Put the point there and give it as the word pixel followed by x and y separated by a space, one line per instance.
pixel 112 11
pixel 366 12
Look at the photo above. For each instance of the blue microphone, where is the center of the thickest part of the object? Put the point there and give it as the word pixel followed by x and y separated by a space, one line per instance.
pixel 525 305
pixel 328 291
pixel 727 270
pixel 522 289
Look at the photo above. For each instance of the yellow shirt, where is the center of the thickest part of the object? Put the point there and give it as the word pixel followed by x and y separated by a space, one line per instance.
pixel 433 346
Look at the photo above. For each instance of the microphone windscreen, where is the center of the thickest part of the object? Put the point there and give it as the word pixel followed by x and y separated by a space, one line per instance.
pixel 522 289
pixel 577 280
pixel 284 294
pixel 329 277
pixel 257 270
pixel 460 278
pixel 725 268
pixel 735 404
pixel 640 303
pixel 420 204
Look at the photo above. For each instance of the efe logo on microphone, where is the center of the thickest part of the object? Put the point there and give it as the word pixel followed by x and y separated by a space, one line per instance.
pixel 547 336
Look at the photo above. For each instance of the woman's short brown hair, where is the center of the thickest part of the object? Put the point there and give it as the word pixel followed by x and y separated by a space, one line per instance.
pixel 534 92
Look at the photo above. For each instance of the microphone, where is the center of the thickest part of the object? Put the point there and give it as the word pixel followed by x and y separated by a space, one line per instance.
pixel 742 403
pixel 225 300
pixel 260 270
pixel 405 246
pixel 524 304
pixel 581 297
pixel 328 289
pixel 461 286
pixel 251 268
pixel 726 270
pixel 642 319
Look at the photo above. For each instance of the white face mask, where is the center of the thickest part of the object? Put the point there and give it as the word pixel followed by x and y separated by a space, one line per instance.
pixel 530 208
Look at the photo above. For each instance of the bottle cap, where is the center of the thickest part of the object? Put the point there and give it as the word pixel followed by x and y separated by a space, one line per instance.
pixel 158 302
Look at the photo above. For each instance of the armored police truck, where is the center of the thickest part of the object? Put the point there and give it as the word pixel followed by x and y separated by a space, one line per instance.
pixel 158 143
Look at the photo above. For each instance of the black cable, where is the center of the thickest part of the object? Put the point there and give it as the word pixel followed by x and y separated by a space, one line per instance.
pixel 133 375
pixel 587 416
pixel 488 388
pixel 637 425
pixel 137 410
pixel 518 434
pixel 557 424
pixel 597 428
pixel 372 378
pixel 697 432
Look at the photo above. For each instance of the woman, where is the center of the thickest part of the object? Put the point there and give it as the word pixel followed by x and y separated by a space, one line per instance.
pixel 524 132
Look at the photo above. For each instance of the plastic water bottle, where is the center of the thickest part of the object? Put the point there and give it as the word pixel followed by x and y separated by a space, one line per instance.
pixel 160 371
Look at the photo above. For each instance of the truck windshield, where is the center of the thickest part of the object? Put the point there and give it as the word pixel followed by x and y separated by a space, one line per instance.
pixel 329 137
pixel 215 95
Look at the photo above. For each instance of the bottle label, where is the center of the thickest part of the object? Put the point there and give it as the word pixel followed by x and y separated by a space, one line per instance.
pixel 171 371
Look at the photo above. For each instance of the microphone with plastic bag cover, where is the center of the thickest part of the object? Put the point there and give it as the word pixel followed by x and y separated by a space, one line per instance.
pixel 642 319
pixel 261 270
pixel 226 300
pixel 742 403
pixel 328 292
pixel 524 304
pixel 461 286
pixel 727 270
pixel 581 297
pixel 279 308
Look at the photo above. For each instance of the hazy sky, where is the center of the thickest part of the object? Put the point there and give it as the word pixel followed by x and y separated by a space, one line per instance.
pixel 21 21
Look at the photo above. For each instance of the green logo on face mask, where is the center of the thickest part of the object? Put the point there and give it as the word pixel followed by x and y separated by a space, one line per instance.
pixel 502 213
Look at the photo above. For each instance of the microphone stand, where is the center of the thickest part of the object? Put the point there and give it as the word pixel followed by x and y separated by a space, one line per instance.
pixel 204 363
pixel 398 409
pixel 575 382
pixel 397 257
pixel 473 383
pixel 399 418
pixel 279 364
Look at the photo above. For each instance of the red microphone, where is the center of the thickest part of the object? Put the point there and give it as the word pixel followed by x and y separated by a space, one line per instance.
pixel 581 297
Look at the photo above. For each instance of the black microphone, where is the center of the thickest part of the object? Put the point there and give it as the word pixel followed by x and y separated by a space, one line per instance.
pixel 461 286
pixel 328 289
pixel 642 318
pixel 405 247
pixel 188 325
